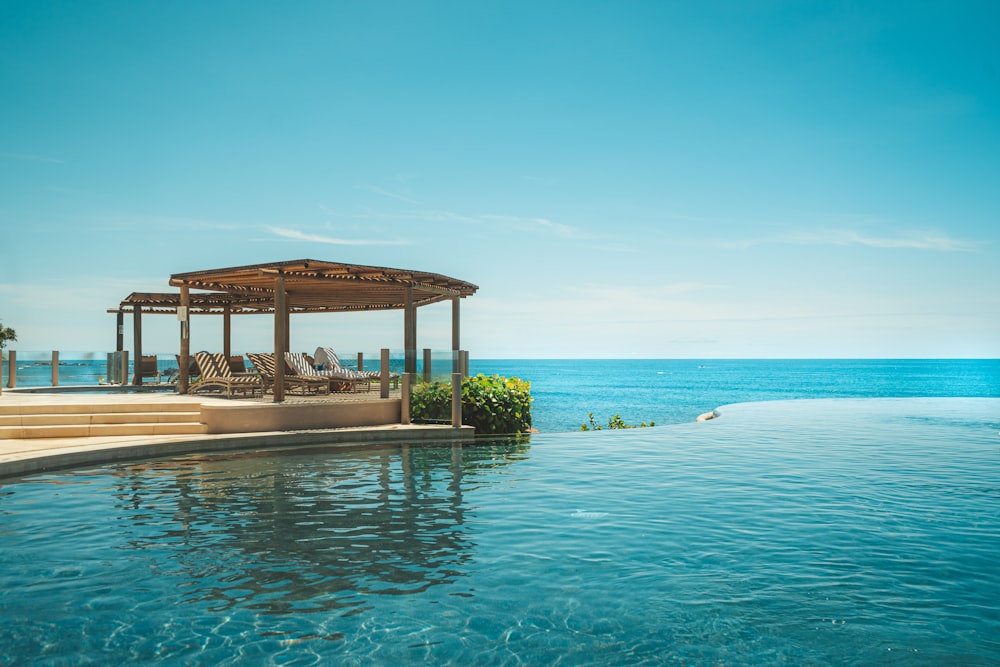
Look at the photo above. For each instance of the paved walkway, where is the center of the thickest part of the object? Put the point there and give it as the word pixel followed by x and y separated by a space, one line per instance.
pixel 31 455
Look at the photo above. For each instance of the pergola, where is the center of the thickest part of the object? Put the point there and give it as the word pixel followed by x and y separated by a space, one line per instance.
pixel 296 286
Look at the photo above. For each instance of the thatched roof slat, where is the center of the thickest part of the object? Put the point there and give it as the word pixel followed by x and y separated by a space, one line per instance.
pixel 310 285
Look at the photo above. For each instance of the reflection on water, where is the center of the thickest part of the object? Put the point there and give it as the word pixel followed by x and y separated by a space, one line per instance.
pixel 278 535
pixel 190 557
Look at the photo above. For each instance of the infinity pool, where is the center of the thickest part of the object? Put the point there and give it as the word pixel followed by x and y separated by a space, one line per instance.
pixel 804 532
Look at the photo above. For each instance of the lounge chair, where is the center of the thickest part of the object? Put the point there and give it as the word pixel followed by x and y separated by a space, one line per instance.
pixel 326 357
pixel 148 367
pixel 237 365
pixel 344 379
pixel 264 363
pixel 193 371
pixel 214 371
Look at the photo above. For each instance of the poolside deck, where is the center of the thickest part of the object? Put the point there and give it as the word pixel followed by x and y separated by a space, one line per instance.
pixel 87 428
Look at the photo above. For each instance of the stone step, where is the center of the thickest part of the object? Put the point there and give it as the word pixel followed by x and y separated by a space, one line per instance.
pixel 83 419
pixel 146 417
pixel 92 418
pixel 181 428
pixel 96 408
pixel 98 430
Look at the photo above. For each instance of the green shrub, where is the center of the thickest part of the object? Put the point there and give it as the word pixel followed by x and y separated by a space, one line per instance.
pixel 493 404
pixel 613 422
pixel 430 402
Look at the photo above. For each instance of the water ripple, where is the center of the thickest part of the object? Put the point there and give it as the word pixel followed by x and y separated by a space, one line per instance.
pixel 809 532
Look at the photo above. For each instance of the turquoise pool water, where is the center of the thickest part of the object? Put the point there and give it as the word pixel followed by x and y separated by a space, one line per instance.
pixel 794 532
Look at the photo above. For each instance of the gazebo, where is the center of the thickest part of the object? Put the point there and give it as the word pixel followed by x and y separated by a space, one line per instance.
pixel 290 287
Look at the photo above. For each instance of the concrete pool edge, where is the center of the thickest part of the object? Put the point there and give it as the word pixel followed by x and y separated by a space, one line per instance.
pixel 63 453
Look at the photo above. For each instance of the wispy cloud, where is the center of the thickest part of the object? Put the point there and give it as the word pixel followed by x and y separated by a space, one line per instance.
pixel 387 193
pixel 403 216
pixel 521 223
pixel 299 235
pixel 447 216
pixel 540 223
pixel 30 158
pixel 913 240
pixel 922 240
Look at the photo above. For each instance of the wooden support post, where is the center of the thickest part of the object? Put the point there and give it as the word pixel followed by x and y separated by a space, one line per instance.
pixel 114 362
pixel 456 399
pixel 280 338
pixel 55 368
pixel 288 323
pixel 455 334
pixel 383 374
pixel 120 330
pixel 361 361
pixel 410 333
pixel 137 345
pixel 183 373
pixel 227 331
pixel 404 406
pixel 427 364
pixel 11 369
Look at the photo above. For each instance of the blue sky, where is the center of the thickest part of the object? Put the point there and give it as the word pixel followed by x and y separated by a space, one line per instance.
pixel 621 179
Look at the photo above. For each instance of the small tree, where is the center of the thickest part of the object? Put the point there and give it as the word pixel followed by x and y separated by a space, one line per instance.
pixel 6 334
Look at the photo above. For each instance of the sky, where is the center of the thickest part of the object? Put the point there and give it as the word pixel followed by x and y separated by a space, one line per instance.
pixel 636 179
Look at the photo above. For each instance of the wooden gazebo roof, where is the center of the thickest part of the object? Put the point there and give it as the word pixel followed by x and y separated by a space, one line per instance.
pixel 200 303
pixel 311 286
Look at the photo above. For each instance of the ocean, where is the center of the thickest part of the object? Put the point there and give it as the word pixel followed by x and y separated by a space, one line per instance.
pixel 666 391
pixel 671 391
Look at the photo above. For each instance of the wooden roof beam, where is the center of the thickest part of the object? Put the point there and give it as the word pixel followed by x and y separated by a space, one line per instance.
pixel 220 287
